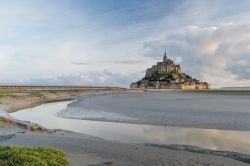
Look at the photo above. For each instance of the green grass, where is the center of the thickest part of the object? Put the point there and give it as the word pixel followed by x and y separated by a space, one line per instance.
pixel 7 95
pixel 157 76
pixel 29 156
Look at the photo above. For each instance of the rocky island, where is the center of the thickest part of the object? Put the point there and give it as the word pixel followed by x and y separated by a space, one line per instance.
pixel 168 75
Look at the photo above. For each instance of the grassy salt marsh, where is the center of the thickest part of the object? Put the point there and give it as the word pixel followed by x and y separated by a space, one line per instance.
pixel 29 156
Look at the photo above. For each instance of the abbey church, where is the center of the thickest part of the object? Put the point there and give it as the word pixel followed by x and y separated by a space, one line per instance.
pixel 167 66
pixel 168 75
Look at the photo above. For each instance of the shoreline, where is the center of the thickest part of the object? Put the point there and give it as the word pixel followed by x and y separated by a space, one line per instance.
pixel 85 150
pixel 159 125
pixel 17 100
pixel 35 135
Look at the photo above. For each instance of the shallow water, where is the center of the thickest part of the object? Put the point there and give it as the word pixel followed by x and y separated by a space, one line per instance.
pixel 3 113
pixel 166 109
pixel 46 115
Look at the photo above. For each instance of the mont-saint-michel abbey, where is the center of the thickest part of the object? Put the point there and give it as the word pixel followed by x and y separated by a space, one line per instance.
pixel 168 75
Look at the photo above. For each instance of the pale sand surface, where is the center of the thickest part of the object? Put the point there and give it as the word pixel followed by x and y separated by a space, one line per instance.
pixel 13 101
pixel 173 108
pixel 86 150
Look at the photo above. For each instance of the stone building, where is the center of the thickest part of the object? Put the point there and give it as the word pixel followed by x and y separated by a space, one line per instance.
pixel 168 75
pixel 166 66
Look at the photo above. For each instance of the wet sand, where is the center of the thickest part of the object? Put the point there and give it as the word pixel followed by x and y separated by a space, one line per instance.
pixel 13 101
pixel 87 150
pixel 172 108
pixel 46 115
pixel 84 150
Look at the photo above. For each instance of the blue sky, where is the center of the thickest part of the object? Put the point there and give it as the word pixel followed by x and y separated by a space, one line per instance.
pixel 96 42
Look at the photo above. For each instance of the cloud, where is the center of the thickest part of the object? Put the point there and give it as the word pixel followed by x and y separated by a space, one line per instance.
pixel 126 62
pixel 70 42
pixel 79 63
pixel 219 54
pixel 240 66
pixel 102 78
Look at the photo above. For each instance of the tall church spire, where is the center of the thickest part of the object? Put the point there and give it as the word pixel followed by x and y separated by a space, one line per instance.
pixel 165 55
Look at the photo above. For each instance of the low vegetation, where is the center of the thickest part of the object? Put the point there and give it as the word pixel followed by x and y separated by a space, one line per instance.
pixel 29 156
pixel 7 95
pixel 157 76
pixel 167 76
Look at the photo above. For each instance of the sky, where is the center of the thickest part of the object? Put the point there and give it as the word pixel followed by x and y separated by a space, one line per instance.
pixel 111 43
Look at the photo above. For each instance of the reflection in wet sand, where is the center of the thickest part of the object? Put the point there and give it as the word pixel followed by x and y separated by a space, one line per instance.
pixel 45 115
pixel 207 138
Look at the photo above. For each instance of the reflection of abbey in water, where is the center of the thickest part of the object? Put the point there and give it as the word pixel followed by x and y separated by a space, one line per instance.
pixel 168 75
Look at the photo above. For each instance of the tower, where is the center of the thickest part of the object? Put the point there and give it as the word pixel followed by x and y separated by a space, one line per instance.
pixel 165 55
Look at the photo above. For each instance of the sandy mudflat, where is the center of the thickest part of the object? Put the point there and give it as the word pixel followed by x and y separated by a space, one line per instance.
pixel 173 108
pixel 16 100
pixel 86 150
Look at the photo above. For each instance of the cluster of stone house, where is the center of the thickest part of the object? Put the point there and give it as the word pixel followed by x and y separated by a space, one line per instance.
pixel 169 85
